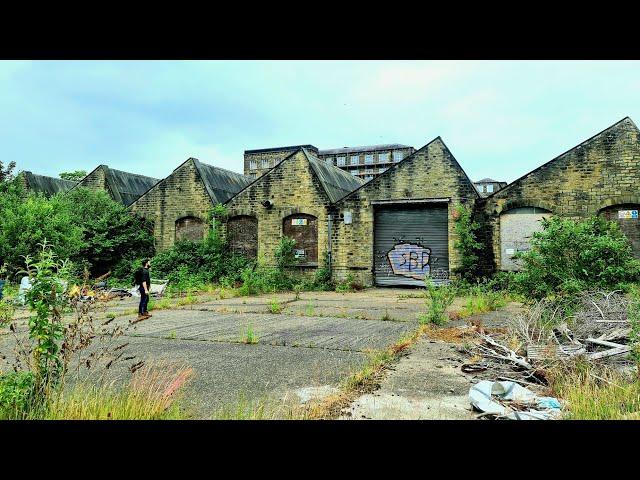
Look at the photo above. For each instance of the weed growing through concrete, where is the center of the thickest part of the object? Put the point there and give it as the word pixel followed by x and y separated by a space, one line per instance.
pixel 249 337
pixel 309 310
pixel 172 335
pixel 386 317
pixel 438 299
pixel 275 307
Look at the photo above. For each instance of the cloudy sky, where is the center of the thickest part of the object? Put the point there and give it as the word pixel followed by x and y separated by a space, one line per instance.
pixel 499 118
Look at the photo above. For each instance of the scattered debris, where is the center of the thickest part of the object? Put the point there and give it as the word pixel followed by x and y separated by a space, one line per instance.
pixel 512 401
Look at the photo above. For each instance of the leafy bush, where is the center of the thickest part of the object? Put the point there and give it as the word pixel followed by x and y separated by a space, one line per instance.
pixel 438 299
pixel 16 394
pixel 569 256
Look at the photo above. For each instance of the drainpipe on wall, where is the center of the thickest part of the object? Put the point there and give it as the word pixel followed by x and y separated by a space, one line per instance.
pixel 329 227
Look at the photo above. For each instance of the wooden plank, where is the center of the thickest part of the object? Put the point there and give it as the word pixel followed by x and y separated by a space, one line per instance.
pixel 609 353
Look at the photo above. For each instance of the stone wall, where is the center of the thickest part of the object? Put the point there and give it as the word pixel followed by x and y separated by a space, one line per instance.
pixel 430 173
pixel 182 194
pixel 600 172
pixel 292 188
pixel 96 180
pixel 271 155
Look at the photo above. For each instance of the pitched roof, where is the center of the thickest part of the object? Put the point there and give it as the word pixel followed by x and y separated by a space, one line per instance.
pixel 47 185
pixel 366 148
pixel 488 180
pixel 335 181
pixel 626 121
pixel 127 187
pixel 221 184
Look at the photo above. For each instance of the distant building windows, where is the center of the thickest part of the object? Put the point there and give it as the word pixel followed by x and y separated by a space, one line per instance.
pixel 368 177
pixel 265 163
pixel 383 157
pixel 398 155
pixel 368 171
pixel 354 172
pixel 329 160
pixel 253 165
pixel 368 159
pixel 342 161
pixel 489 188
pixel 355 159
pixel 383 170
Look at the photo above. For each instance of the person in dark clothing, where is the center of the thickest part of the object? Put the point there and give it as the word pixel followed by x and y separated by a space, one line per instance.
pixel 145 284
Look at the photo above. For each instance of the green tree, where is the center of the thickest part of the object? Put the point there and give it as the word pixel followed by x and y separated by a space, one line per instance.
pixel 26 221
pixel 112 237
pixel 76 175
pixel 467 244
pixel 6 173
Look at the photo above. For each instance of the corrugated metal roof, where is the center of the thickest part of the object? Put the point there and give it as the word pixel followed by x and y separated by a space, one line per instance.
pixel 221 184
pixel 47 185
pixel 367 148
pixel 128 186
pixel 336 182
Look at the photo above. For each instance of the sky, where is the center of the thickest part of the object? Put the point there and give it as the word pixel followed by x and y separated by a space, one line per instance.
pixel 500 119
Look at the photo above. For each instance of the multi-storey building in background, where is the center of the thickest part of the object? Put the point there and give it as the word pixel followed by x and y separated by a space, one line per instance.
pixel 363 162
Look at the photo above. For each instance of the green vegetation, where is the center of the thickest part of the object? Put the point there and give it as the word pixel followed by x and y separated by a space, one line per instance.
pixel 467 244
pixel 570 256
pixel 249 337
pixel 438 299
pixel 76 175
pixel 275 307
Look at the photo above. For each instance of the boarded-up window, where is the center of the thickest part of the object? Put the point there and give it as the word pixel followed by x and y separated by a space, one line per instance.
pixel 190 228
pixel 242 234
pixel 303 229
pixel 627 216
pixel 517 227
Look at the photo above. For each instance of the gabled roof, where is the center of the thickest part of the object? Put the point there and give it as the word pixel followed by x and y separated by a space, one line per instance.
pixel 488 180
pixel 626 121
pixel 394 167
pixel 221 184
pixel 366 148
pixel 336 182
pixel 127 187
pixel 47 185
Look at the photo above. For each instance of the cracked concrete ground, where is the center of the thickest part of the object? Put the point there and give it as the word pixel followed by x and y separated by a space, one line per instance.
pixel 304 352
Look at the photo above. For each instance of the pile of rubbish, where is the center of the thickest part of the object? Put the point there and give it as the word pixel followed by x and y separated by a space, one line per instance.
pixel 598 331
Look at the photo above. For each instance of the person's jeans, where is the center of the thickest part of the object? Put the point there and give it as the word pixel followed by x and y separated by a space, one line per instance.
pixel 144 300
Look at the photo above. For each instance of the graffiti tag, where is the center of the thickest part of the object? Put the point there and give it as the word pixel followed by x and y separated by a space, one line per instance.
pixel 410 260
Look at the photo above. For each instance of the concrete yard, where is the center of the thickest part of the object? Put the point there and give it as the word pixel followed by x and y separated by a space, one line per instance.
pixel 304 352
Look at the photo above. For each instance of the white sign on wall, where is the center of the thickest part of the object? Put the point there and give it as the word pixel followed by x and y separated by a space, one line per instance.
pixel 511 251
pixel 299 253
pixel 347 217
pixel 628 214
pixel 298 221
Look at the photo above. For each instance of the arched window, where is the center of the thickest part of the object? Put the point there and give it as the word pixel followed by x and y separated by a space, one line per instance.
pixel 242 234
pixel 303 228
pixel 190 228
pixel 517 226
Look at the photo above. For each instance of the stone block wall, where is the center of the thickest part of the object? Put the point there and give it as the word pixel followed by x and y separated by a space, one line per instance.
pixel 182 194
pixel 600 172
pixel 431 172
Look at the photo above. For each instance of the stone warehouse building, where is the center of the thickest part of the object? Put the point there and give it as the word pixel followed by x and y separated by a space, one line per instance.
pixel 393 230
pixel 123 187
pixel 600 176
pixel 179 205
pixel 292 199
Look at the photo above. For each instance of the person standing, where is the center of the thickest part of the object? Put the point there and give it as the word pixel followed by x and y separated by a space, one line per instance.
pixel 144 280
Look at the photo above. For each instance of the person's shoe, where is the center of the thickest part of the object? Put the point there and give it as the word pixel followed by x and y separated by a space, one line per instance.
pixel 140 318
pixel 147 315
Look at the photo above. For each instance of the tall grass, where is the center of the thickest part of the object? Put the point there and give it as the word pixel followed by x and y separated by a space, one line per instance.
pixel 151 394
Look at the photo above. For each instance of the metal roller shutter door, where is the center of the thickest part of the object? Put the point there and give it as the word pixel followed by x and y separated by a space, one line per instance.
pixel 410 243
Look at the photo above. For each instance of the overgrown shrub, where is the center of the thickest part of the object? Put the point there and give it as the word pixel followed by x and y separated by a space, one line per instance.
pixel 570 256
pixel 16 394
pixel 438 299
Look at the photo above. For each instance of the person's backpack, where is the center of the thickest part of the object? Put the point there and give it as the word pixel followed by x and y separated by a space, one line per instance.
pixel 137 277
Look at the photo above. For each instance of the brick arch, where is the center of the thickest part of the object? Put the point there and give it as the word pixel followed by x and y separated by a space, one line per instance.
pixel 618 200
pixel 524 202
